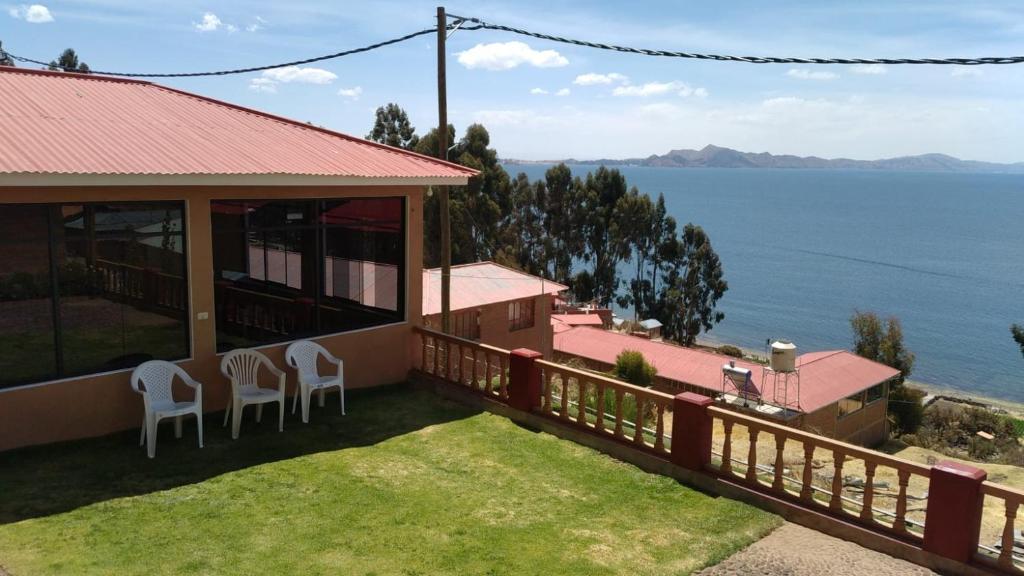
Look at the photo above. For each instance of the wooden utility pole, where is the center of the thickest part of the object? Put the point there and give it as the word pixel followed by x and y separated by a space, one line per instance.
pixel 442 153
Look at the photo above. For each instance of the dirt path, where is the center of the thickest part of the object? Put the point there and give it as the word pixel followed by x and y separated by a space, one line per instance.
pixel 793 550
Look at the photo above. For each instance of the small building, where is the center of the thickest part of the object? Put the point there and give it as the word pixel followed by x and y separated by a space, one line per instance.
pixel 562 322
pixel 142 222
pixel 839 395
pixel 494 304
pixel 651 329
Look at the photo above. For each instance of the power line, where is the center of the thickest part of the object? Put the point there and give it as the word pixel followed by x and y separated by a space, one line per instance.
pixel 240 70
pixel 481 25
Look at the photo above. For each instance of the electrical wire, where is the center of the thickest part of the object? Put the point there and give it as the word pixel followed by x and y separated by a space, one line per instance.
pixel 482 25
pixel 350 52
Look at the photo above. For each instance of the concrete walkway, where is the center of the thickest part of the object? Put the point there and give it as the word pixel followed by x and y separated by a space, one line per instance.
pixel 793 550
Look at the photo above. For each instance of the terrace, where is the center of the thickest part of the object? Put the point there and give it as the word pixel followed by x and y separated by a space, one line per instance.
pixel 408 483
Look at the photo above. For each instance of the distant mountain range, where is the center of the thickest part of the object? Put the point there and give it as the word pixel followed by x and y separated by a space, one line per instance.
pixel 717 157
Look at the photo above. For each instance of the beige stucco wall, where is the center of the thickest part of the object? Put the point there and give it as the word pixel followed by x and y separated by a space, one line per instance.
pixel 101 404
pixel 494 327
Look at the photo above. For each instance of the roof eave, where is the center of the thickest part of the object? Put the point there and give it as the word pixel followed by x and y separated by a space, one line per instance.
pixel 22 179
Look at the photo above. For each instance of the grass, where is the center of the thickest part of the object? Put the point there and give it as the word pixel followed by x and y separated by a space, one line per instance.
pixel 406 484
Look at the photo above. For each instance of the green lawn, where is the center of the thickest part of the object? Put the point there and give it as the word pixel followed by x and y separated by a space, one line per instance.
pixel 408 483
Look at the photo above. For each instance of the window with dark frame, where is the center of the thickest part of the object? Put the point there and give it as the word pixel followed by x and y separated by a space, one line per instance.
pixel 290 269
pixel 875 393
pixel 466 324
pixel 851 404
pixel 520 314
pixel 87 288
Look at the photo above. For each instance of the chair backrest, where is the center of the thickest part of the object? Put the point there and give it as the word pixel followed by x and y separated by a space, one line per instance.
pixel 303 356
pixel 242 366
pixel 155 380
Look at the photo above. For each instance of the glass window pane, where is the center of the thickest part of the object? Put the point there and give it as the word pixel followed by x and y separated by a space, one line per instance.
pixel 122 284
pixel 26 336
pixel 288 269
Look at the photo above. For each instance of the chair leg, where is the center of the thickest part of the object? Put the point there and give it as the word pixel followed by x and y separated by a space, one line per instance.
pixel 280 414
pixel 259 413
pixel 295 398
pixel 321 397
pixel 142 434
pixel 236 419
pixel 341 392
pixel 199 427
pixel 151 428
pixel 306 399
pixel 177 427
pixel 227 412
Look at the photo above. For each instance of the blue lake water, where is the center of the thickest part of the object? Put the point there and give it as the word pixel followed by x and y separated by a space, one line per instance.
pixel 803 249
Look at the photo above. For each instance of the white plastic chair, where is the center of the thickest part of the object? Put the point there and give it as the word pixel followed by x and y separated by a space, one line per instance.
pixel 303 356
pixel 242 367
pixel 155 381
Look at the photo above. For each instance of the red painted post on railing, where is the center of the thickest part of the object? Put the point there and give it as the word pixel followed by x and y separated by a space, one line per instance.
pixel 953 520
pixel 524 386
pixel 691 431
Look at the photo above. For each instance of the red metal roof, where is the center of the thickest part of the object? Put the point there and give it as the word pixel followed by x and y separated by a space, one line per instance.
pixel 57 123
pixel 578 319
pixel 825 377
pixel 483 283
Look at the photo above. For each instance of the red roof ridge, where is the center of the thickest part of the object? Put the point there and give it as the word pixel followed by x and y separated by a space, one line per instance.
pixel 361 141
pixel 824 355
pixel 667 343
pixel 75 75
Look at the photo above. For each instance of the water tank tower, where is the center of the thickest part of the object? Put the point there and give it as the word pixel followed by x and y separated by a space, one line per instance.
pixel 783 356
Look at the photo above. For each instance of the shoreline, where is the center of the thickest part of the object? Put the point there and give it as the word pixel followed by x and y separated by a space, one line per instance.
pixel 1014 408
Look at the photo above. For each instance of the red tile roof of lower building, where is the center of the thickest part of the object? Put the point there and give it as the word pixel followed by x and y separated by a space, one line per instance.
pixel 58 124
pixel 483 283
pixel 825 377
pixel 578 319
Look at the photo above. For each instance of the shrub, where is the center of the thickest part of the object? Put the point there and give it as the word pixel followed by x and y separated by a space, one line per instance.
pixel 632 367
pixel 730 350
pixel 906 409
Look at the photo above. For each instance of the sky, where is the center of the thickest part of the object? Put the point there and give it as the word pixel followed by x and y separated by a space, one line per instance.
pixel 544 100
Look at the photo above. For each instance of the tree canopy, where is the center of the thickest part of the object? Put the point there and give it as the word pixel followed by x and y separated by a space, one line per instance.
pixel 5 58
pixel 68 62
pixel 1018 336
pixel 883 342
pixel 392 127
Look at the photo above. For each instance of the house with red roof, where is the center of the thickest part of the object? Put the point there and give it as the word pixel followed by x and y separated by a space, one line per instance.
pixel 495 304
pixel 142 222
pixel 833 393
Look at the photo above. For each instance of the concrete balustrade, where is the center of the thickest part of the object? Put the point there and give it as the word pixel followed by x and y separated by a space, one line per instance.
pixel 753 456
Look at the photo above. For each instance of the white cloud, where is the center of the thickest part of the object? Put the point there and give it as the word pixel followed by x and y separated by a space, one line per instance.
pixel 965 72
pixel 508 55
pixel 806 74
pixel 562 92
pixel 300 75
pixel 210 23
pixel 34 13
pixel 592 79
pixel 872 69
pixel 231 28
pixel 660 88
pixel 352 93
pixel 256 26
pixel 265 85
pixel 538 91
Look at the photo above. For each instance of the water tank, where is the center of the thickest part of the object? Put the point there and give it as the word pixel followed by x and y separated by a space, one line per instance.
pixel 783 356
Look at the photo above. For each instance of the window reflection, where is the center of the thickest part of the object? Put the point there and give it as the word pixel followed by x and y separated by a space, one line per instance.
pixel 294 268
pixel 118 275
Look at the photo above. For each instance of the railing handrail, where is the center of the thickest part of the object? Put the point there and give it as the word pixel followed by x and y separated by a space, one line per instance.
pixel 462 341
pixel 845 448
pixel 608 381
pixel 990 488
